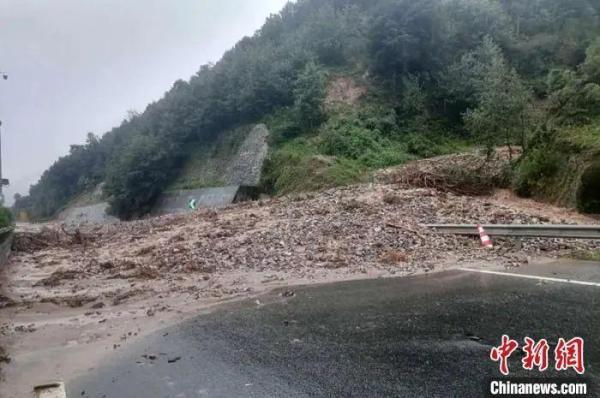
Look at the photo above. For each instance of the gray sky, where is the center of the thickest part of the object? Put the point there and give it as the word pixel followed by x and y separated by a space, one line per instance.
pixel 78 65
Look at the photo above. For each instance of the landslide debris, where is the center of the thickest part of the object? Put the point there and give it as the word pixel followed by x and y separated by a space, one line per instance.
pixel 364 230
pixel 57 277
pixel 32 241
pixel 461 174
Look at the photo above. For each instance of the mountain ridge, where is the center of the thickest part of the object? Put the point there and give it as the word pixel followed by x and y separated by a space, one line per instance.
pixel 440 75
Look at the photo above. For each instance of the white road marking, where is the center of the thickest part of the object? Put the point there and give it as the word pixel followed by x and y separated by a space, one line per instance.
pixel 540 278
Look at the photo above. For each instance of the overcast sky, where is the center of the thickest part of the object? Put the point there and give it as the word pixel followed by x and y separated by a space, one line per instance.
pixel 77 66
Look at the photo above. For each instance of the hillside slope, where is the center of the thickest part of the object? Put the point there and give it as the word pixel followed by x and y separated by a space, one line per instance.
pixel 565 170
pixel 435 72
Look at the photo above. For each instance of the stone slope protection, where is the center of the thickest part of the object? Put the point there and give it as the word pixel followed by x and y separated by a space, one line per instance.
pixel 240 178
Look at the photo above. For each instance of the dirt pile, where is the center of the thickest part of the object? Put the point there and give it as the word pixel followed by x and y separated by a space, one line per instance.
pixel 30 242
pixel 373 229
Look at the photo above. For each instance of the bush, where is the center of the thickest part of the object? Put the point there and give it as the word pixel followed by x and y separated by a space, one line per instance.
pixel 421 146
pixel 391 153
pixel 588 196
pixel 433 144
pixel 299 167
pixel 283 126
pixel 379 117
pixel 358 139
pixel 534 171
pixel 350 141
pixel 6 217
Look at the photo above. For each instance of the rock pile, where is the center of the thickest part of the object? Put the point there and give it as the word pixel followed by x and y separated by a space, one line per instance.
pixel 348 231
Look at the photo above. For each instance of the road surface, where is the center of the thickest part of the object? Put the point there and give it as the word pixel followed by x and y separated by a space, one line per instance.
pixel 412 337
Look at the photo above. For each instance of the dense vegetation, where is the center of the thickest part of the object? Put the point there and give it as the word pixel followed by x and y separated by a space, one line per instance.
pixel 6 218
pixel 438 73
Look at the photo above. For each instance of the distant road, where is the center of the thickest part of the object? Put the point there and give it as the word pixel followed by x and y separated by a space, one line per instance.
pixel 427 336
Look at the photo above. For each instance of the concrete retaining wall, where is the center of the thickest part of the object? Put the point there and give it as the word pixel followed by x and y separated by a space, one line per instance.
pixel 178 202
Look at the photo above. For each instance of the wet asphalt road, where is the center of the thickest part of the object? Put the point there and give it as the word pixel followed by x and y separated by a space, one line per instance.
pixel 426 336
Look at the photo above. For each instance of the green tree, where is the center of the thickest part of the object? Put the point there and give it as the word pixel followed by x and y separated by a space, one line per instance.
pixel 309 94
pixel 575 96
pixel 463 24
pixel 504 104
pixel 414 103
pixel 339 42
pixel 591 66
pixel 401 40
pixel 6 217
pixel 135 180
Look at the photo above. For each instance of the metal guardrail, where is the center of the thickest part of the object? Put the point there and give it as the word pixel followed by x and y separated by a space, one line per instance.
pixel 533 231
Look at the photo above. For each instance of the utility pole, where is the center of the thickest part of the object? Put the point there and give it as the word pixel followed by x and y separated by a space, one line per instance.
pixel 1 184
pixel 3 181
